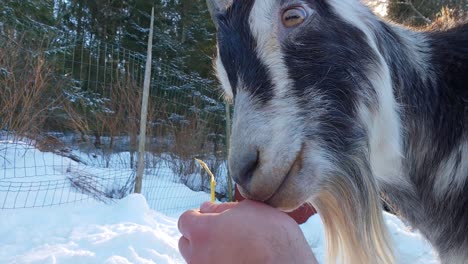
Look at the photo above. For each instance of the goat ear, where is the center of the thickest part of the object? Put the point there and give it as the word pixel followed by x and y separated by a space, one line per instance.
pixel 216 7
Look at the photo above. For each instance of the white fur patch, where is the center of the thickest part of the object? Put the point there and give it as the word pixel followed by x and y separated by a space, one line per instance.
pixel 385 137
pixel 385 146
pixel 448 177
pixel 385 129
pixel 223 78
pixel 288 133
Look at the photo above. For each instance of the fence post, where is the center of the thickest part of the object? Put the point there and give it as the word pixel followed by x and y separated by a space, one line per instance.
pixel 144 110
pixel 228 136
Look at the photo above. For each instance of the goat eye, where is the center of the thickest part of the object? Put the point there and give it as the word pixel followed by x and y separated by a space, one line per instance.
pixel 294 16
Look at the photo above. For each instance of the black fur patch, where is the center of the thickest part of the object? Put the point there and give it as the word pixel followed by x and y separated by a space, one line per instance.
pixel 237 51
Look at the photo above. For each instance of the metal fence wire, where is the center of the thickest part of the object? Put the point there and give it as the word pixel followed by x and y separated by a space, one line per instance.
pixel 69 123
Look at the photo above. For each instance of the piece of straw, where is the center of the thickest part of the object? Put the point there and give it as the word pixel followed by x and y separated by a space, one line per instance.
pixel 213 182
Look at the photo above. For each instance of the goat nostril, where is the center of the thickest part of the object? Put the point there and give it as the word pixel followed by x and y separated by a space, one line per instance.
pixel 250 165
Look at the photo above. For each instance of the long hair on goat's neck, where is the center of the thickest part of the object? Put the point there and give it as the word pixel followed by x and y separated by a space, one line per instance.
pixel 352 216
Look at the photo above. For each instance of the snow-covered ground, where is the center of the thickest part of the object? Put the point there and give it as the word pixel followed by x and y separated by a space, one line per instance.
pixel 131 230
pixel 31 178
pixel 125 232
pixel 378 6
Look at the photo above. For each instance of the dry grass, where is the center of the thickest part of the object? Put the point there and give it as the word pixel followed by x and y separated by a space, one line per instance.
pixel 26 89
pixel 448 18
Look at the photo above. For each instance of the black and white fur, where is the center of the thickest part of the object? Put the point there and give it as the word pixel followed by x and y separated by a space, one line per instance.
pixel 343 108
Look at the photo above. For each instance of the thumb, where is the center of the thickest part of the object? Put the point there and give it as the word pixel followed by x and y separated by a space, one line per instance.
pixel 208 207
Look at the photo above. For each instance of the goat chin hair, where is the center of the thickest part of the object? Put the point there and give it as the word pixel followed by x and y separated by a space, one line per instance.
pixel 352 216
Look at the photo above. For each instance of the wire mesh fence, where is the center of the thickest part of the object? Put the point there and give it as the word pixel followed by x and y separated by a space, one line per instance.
pixel 69 122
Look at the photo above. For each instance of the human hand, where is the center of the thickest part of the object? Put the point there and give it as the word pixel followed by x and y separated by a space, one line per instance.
pixel 245 232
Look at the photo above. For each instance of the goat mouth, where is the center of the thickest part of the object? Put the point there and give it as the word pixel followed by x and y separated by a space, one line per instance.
pixel 295 168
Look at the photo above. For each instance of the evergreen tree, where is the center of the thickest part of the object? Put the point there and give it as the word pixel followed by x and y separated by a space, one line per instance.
pixel 28 12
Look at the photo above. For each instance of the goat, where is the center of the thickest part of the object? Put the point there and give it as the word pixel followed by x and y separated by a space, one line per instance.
pixel 334 106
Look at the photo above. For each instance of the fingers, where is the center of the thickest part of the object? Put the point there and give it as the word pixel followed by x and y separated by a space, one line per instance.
pixel 196 229
pixel 213 208
pixel 184 248
pixel 185 222
pixel 193 224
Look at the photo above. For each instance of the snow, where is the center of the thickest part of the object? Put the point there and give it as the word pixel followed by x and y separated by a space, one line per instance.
pixel 135 229
pixel 124 232
pixel 128 231
pixel 31 178
pixel 380 7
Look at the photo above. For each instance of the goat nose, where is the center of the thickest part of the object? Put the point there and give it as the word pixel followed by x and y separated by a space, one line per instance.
pixel 243 167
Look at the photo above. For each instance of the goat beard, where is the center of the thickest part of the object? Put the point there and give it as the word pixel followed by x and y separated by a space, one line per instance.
pixel 350 209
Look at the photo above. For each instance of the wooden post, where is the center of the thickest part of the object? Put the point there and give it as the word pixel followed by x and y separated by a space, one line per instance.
pixel 144 110
pixel 228 136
